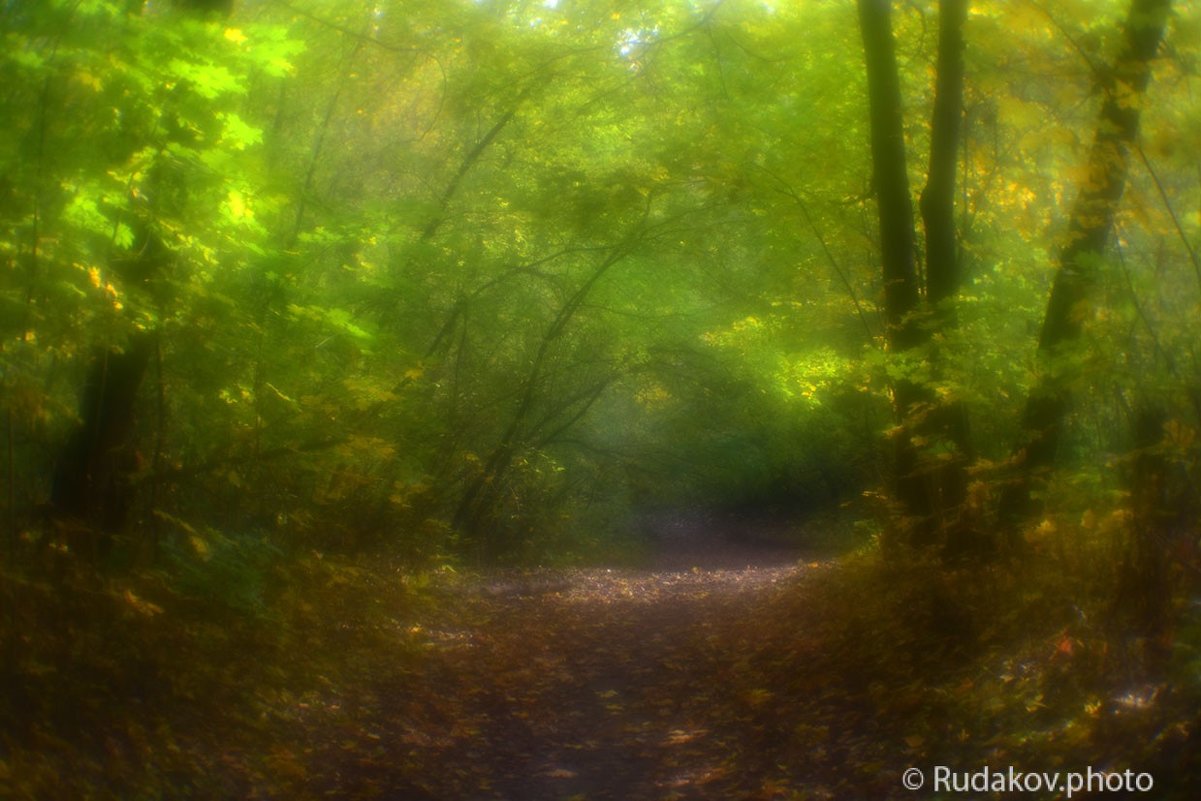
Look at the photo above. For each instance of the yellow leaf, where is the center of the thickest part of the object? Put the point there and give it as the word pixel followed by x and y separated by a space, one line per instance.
pixel 144 607
pixel 237 204
pixel 199 546
pixel 234 35
pixel 89 80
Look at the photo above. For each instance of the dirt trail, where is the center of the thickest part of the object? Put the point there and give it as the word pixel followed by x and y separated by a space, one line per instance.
pixel 588 685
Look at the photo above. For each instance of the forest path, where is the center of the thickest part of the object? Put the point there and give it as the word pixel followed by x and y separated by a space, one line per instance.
pixel 578 684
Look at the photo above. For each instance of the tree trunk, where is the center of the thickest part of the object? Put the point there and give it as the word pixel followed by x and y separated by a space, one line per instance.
pixel 891 181
pixel 895 210
pixel 947 421
pixel 1144 595
pixel 1080 260
pixel 938 198
pixel 931 489
pixel 91 475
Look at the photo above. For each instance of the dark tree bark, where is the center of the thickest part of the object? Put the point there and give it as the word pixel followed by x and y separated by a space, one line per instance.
pixel 947 422
pixel 1144 595
pixel 1080 260
pixel 891 181
pixel 91 474
pixel 895 211
pixel 938 198
pixel 931 491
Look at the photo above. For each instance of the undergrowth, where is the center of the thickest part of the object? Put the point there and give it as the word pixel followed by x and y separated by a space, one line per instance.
pixel 1031 662
pixel 174 685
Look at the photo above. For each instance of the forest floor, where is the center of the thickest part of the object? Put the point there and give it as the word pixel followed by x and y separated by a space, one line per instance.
pixel 733 665
pixel 726 666
pixel 587 684
pixel 601 683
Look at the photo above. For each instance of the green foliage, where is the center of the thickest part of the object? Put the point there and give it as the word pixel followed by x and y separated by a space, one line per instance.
pixel 222 571
pixel 489 236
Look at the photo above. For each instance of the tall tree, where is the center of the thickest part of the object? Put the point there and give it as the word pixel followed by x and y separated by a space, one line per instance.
pixel 947 422
pixel 895 210
pixel 1080 262
pixel 927 492
pixel 943 275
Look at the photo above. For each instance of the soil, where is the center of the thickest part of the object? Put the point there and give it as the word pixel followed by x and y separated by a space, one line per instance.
pixel 575 685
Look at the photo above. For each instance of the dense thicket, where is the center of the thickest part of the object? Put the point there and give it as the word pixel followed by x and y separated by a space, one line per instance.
pixel 492 279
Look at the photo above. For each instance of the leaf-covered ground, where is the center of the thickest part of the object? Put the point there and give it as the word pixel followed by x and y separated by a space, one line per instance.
pixel 720 669
pixel 594 684
pixel 741 671
pixel 567 684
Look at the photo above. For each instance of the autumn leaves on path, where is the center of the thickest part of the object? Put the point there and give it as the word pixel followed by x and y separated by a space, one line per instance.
pixel 589 684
